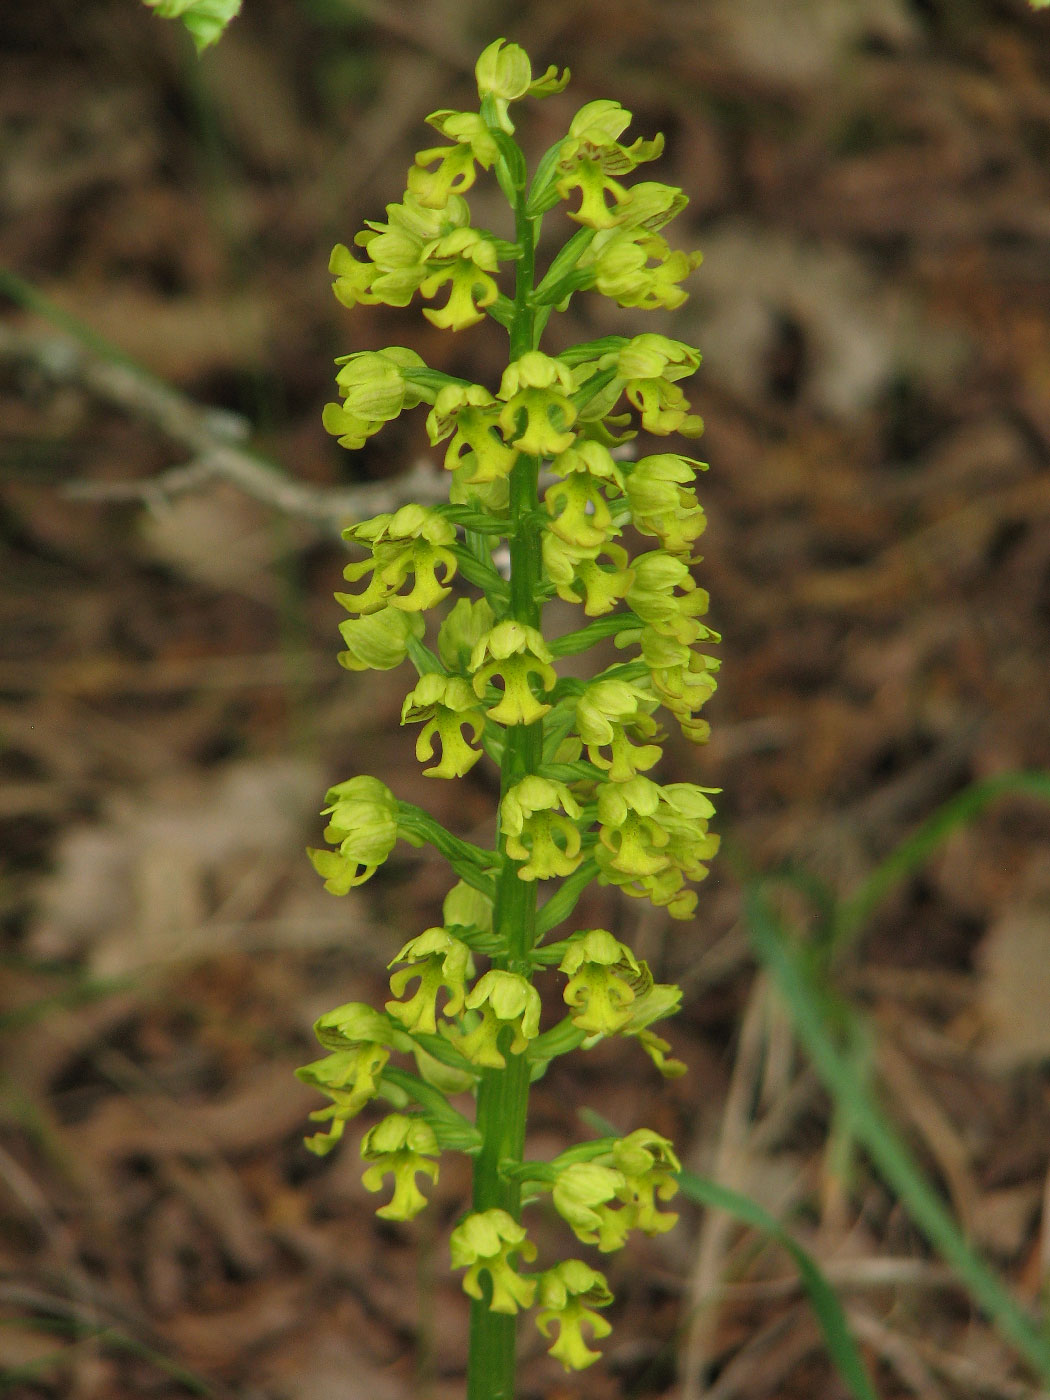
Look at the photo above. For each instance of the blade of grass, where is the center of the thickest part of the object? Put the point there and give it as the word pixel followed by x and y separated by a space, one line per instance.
pixel 881 1141
pixel 109 1338
pixel 832 1320
pixel 839 1340
pixel 911 854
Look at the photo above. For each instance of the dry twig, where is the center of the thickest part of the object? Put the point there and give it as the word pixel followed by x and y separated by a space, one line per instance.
pixel 212 436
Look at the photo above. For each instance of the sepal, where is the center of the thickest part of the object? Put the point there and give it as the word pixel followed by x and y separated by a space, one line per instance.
pixel 379 641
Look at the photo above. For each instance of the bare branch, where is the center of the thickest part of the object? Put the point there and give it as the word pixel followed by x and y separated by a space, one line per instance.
pixel 211 435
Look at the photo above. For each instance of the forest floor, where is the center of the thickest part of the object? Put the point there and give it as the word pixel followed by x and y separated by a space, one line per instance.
pixel 870 185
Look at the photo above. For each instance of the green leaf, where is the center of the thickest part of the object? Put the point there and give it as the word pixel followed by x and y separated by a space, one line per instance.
pixel 204 19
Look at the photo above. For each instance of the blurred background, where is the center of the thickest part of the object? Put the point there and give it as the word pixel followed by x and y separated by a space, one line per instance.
pixel 869 184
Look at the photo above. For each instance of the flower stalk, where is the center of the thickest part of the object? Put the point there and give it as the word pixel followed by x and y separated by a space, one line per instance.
pixel 577 800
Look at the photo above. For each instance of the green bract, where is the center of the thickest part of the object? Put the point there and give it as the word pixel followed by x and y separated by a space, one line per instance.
pixel 578 801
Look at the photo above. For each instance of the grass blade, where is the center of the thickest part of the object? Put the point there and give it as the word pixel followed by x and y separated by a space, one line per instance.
pixel 880 1139
pixel 705 1192
pixel 911 854
pixel 839 1340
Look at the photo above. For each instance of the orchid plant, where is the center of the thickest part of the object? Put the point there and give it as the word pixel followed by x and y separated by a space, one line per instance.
pixel 542 488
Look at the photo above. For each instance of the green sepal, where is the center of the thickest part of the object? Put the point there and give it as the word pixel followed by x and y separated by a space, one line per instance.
pixel 559 1040
pixel 592 349
pixel 562 266
pixel 571 643
pixel 471 863
pixel 502 311
pixel 451 1129
pixel 542 194
pixel 560 905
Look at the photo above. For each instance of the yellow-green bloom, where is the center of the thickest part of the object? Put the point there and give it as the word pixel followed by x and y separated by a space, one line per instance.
pixel 653 596
pixel 567 1296
pixel 350 1078
pixel 649 1167
pixel 582 1194
pixel 453 174
pixel 352 278
pixel 446 703
pixel 468 129
pixel 538 414
pixel 504 999
pixel 471 414
pixel 517 652
pixel 466 907
pixel 579 513
pixel 536 833
pixel 591 156
pixel 379 640
pixel 402 1147
pixel 504 75
pixel 372 384
pixel 400 249
pixel 640 269
pixel 462 628
pixel 363 825
pixel 604 979
pixel 438 960
pixel 606 713
pixel 466 259
pixel 413 540
pixel 485 1241
pixel 663 503
pixel 652 838
pixel 359 1038
pixel 579 576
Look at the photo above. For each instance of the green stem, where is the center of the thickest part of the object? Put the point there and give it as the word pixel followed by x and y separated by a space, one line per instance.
pixel 503 1094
